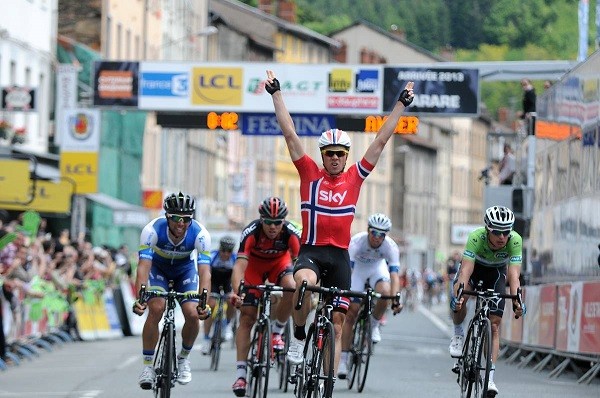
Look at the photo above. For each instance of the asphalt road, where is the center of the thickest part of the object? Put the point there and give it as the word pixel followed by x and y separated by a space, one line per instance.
pixel 411 361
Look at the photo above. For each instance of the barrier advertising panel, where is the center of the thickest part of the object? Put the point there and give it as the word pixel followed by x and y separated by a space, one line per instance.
pixel 562 311
pixel 589 340
pixel 547 316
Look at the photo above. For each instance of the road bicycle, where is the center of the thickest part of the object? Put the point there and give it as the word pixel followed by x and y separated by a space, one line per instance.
pixel 314 377
pixel 473 367
pixel 261 355
pixel 217 334
pixel 283 366
pixel 362 343
pixel 165 359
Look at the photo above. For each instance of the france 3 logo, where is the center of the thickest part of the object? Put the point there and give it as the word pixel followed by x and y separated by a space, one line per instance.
pixel 164 84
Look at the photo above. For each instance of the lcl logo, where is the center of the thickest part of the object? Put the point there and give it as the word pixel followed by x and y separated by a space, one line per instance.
pixel 80 169
pixel 217 86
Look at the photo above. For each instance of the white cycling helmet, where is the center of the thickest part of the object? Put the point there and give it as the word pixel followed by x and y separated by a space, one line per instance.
pixel 499 218
pixel 380 222
pixel 334 137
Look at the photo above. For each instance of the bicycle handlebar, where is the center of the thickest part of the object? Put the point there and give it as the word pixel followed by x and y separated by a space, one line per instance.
pixel 146 295
pixel 270 288
pixel 490 293
pixel 334 291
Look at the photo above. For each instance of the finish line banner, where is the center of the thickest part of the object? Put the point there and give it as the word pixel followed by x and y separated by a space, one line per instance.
pixel 438 91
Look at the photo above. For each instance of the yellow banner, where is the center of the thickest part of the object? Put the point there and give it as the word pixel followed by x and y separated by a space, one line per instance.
pixel 50 197
pixel 82 168
pixel 15 185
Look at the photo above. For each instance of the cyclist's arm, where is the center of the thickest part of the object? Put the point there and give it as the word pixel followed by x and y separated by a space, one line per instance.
pixel 239 269
pixel 286 124
pixel 205 276
pixel 464 273
pixel 143 271
pixel 148 239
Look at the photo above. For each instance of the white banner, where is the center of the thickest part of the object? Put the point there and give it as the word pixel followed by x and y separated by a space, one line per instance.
pixel 66 96
pixel 82 130
pixel 330 88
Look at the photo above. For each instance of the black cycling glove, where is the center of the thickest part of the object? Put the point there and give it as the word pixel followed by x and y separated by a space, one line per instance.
pixel 405 98
pixel 273 87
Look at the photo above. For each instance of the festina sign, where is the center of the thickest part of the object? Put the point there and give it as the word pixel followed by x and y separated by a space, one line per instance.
pixel 266 124
pixel 16 98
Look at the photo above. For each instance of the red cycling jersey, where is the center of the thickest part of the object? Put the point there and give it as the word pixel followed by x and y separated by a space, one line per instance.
pixel 329 202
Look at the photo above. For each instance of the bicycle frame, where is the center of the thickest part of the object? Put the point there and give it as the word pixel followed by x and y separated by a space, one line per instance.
pixel 165 359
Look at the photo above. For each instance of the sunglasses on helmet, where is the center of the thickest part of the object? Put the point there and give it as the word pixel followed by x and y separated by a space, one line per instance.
pixel 178 218
pixel 330 153
pixel 269 221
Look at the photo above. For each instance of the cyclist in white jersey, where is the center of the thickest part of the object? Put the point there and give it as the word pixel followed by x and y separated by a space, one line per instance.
pixel 375 260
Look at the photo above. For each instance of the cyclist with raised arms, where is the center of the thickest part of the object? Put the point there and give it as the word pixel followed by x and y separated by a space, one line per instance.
pixel 167 246
pixel 493 255
pixel 267 248
pixel 221 268
pixel 328 202
pixel 375 258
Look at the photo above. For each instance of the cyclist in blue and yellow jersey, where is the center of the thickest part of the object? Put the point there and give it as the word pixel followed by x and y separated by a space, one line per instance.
pixel 167 246
pixel 221 267
pixel 493 255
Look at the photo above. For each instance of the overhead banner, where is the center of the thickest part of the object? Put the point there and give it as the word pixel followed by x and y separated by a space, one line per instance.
pixel 50 197
pixel 82 168
pixel 115 83
pixel 438 91
pixel 15 185
pixel 330 88
pixel 82 130
pixel 266 124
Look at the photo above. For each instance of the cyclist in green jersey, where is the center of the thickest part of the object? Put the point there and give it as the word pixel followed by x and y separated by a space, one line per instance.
pixel 492 255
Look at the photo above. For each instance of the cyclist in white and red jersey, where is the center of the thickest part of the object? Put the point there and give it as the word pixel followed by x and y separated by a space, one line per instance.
pixel 328 202
pixel 375 260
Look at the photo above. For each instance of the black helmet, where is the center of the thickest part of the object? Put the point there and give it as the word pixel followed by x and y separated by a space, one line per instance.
pixel 273 208
pixel 227 243
pixel 179 203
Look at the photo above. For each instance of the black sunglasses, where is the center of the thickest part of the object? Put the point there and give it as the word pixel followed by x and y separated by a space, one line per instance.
pixel 268 221
pixel 377 234
pixel 178 218
pixel 330 153
pixel 498 233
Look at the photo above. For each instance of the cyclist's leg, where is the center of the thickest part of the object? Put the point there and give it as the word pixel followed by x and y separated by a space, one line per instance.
pixel 303 271
pixel 282 275
pixel 248 314
pixel 499 283
pixel 381 276
pixel 359 277
pixel 187 281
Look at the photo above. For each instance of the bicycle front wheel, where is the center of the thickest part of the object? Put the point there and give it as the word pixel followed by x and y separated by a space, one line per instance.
pixel 322 362
pixel 282 363
pixel 363 353
pixel 165 363
pixel 260 361
pixel 484 360
pixel 215 344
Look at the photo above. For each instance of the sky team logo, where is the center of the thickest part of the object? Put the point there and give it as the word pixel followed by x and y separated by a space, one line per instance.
pixel 367 81
pixel 217 86
pixel 340 80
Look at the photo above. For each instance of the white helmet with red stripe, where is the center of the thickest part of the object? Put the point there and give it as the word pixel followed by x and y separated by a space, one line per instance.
pixel 334 137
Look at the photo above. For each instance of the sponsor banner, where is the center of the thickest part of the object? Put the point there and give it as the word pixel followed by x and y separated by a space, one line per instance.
pixel 589 340
pixel 82 168
pixel 460 232
pixel 15 98
pixel 15 185
pixel 531 321
pixel 574 317
pixel 115 83
pixel 66 95
pixel 82 130
pixel 548 315
pixel 562 312
pixel 50 197
pixel 266 124
pixel 438 91
pixel 329 89
pixel 98 319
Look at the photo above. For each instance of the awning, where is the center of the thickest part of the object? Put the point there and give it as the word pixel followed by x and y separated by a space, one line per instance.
pixel 45 171
pixel 124 214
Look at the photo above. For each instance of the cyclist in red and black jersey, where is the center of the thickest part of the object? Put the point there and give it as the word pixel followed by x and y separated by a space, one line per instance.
pixel 268 247
pixel 328 202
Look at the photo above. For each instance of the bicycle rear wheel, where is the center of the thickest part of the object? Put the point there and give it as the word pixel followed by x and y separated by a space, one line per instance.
pixel 215 344
pixel 322 362
pixel 165 363
pixel 364 352
pixel 353 355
